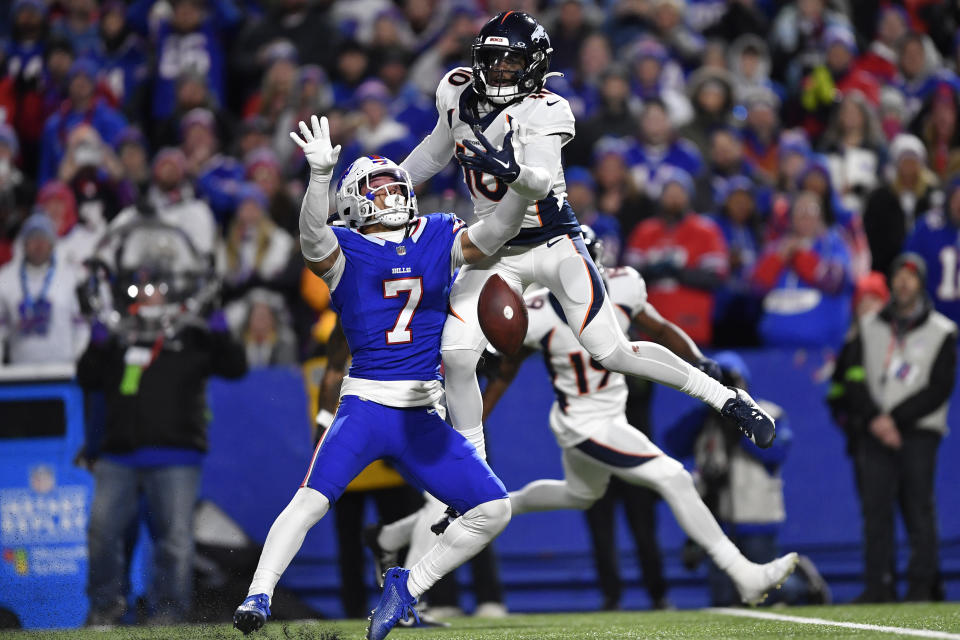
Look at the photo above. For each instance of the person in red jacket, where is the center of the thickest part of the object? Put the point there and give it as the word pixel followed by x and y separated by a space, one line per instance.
pixel 682 255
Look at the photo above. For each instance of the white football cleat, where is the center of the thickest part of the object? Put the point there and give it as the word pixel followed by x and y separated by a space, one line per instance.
pixel 755 581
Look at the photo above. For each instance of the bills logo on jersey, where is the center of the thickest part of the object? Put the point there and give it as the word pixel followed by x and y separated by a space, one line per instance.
pixel 497 40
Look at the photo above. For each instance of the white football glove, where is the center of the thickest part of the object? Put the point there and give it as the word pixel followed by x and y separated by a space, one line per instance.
pixel 321 157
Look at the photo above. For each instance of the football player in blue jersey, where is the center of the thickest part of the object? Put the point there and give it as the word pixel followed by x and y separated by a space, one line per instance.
pixel 389 272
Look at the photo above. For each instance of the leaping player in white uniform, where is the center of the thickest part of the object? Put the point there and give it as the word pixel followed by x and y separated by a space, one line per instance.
pixel 504 91
pixel 590 424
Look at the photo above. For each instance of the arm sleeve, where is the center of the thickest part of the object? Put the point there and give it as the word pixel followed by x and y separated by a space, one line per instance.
pixel 490 233
pixel 538 170
pixel 317 240
pixel 938 390
pixel 431 155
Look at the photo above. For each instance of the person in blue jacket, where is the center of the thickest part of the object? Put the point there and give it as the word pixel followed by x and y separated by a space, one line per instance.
pixel 936 237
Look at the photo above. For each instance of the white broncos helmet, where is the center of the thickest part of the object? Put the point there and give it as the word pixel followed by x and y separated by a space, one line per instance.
pixel 355 196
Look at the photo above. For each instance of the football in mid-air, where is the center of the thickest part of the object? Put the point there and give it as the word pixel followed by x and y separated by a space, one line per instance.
pixel 503 315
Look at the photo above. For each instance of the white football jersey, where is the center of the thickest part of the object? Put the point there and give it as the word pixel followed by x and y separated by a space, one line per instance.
pixel 588 396
pixel 539 114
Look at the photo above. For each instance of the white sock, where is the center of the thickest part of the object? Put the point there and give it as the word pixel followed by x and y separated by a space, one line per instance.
pixel 546 495
pixel 700 385
pixel 285 537
pixel 396 535
pixel 462 540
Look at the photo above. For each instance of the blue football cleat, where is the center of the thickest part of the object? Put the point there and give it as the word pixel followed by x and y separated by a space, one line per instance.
pixel 252 614
pixel 754 422
pixel 395 604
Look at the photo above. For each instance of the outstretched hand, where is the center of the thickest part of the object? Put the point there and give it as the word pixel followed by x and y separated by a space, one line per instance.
pixel 321 156
pixel 500 163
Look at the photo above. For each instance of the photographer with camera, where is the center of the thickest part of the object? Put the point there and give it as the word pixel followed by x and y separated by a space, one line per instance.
pixel 152 365
pixel 742 486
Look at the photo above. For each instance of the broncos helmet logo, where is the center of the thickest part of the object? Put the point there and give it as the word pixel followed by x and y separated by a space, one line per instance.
pixel 540 34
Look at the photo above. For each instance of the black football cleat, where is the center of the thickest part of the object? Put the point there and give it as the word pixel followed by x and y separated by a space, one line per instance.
pixel 755 423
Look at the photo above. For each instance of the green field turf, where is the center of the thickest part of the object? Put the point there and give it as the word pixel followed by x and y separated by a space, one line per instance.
pixel 944 618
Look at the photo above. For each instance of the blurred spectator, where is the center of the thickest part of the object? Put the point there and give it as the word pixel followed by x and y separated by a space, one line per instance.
pixel 192 92
pixel 725 161
pixel 743 487
pixel 263 169
pixel 892 209
pixel 581 190
pixel 191 42
pixel 915 79
pixel 312 94
pixel 81 106
pixel 78 25
pixel 853 142
pixel 352 68
pixel 134 159
pixel 737 18
pixel 16 188
pixel 92 171
pixel 377 128
pixel 737 303
pixel 78 234
pixel 452 49
pixel 682 256
pixel 39 314
pixel 657 77
pixel 936 238
pixel 155 437
pixel 904 391
pixel 938 127
pixel 669 21
pixel 125 56
pixel 749 60
pixel 618 194
pixel 797 37
pixel 297 21
pixel 23 62
pixel 217 176
pixel 836 78
pixel 265 332
pixel 614 115
pixel 277 86
pixel 594 59
pixel 711 93
pixel 807 279
pixel 256 251
pixel 761 133
pixel 659 146
pixel 171 198
pixel 880 59
pixel 568 31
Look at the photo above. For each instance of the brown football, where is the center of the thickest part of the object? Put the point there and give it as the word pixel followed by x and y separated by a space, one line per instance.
pixel 503 315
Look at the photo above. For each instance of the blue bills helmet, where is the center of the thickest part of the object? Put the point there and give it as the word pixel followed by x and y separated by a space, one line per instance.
pixel 515 38
pixel 356 198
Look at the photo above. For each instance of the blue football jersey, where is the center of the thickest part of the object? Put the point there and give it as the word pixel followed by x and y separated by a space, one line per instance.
pixel 938 242
pixel 392 299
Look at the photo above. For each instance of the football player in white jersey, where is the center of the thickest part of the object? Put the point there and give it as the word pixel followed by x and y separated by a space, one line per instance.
pixel 589 423
pixel 481 109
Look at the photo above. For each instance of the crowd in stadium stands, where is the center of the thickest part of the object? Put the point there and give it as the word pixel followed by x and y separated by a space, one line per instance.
pixel 755 159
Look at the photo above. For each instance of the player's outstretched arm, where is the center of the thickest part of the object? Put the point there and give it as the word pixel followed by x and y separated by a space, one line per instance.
pixel 533 178
pixel 431 155
pixel 318 244
pixel 484 238
pixel 669 335
pixel 506 372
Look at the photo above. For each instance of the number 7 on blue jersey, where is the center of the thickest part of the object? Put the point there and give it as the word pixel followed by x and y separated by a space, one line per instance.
pixel 400 334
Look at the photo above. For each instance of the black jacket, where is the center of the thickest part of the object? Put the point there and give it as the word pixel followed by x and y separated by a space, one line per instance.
pixel 885 223
pixel 168 408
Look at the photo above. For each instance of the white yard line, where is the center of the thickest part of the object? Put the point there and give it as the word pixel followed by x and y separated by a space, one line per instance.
pixel 764 615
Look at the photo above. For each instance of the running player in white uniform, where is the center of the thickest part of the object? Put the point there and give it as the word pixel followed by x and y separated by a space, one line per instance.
pixel 590 424
pixel 480 110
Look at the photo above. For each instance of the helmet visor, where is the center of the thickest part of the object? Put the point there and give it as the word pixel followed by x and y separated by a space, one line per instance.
pixel 501 67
